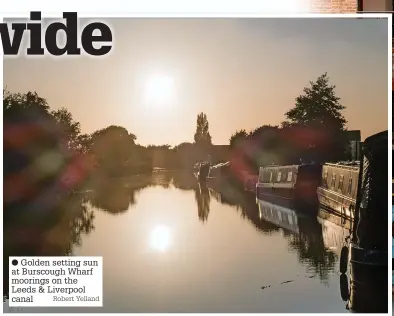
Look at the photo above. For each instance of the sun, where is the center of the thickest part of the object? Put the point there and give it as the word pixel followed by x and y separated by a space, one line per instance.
pixel 160 238
pixel 159 89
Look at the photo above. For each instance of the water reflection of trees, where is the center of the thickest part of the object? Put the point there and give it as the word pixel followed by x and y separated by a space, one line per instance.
pixel 203 201
pixel 184 181
pixel 81 224
pixel 58 227
pixel 311 249
pixel 162 178
pixel 113 197
pixel 124 191
pixel 245 203
pixel 55 234
pixel 62 229
pixel 116 195
pixel 308 243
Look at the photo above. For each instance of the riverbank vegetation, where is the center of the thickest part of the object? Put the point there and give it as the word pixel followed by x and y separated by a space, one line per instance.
pixel 46 151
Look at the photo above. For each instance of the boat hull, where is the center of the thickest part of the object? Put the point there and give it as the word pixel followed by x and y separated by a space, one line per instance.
pixel 272 192
pixel 300 198
pixel 336 203
pixel 368 286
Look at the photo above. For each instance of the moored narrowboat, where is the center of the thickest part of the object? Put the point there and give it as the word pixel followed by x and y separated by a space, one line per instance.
pixel 366 252
pixel 223 177
pixel 219 171
pixel 296 183
pixel 203 171
pixel 338 190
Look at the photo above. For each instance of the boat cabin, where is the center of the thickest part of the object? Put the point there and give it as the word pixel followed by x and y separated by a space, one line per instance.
pixel 338 189
pixel 293 182
pixel 284 175
pixel 366 254
pixel 372 221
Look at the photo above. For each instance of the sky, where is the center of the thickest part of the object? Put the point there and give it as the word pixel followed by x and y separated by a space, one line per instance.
pixel 243 73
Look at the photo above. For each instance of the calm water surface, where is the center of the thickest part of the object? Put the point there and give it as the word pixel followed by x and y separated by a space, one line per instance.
pixel 169 245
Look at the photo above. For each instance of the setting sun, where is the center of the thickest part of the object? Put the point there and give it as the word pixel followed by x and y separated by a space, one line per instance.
pixel 159 89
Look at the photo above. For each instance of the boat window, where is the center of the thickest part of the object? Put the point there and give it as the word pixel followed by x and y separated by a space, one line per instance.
pixel 289 176
pixel 279 176
pixel 334 177
pixel 325 178
pixel 349 186
pixel 340 186
pixel 261 175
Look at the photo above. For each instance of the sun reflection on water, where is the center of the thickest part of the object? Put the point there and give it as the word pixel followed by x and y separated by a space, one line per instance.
pixel 160 238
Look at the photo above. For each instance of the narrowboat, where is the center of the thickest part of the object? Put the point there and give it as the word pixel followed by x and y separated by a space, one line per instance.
pixel 203 171
pixel 278 215
pixel 338 189
pixel 365 254
pixel 223 177
pixel 295 184
pixel 219 171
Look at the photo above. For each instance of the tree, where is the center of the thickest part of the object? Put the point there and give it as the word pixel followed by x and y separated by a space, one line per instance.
pixel 161 155
pixel 84 143
pixel 316 122
pixel 116 152
pixel 318 107
pixel 24 106
pixel 263 145
pixel 265 136
pixel 202 136
pixel 34 151
pixel 70 128
pixel 237 138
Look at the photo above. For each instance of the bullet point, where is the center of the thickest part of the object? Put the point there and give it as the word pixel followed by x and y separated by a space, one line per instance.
pixel 14 262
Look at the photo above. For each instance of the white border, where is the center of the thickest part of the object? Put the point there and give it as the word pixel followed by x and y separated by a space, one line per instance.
pixel 184 9
pixel 107 15
pixel 390 146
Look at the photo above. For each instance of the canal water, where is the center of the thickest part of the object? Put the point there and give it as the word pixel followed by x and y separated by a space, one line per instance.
pixel 170 245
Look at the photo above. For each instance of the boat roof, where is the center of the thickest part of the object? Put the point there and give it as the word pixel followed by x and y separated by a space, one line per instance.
pixel 286 166
pixel 355 165
pixel 223 164
pixel 376 137
pixel 344 163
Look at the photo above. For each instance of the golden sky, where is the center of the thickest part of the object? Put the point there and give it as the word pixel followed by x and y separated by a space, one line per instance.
pixel 243 73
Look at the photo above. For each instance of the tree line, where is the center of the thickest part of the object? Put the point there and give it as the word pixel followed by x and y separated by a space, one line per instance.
pixel 47 145
pixel 314 130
